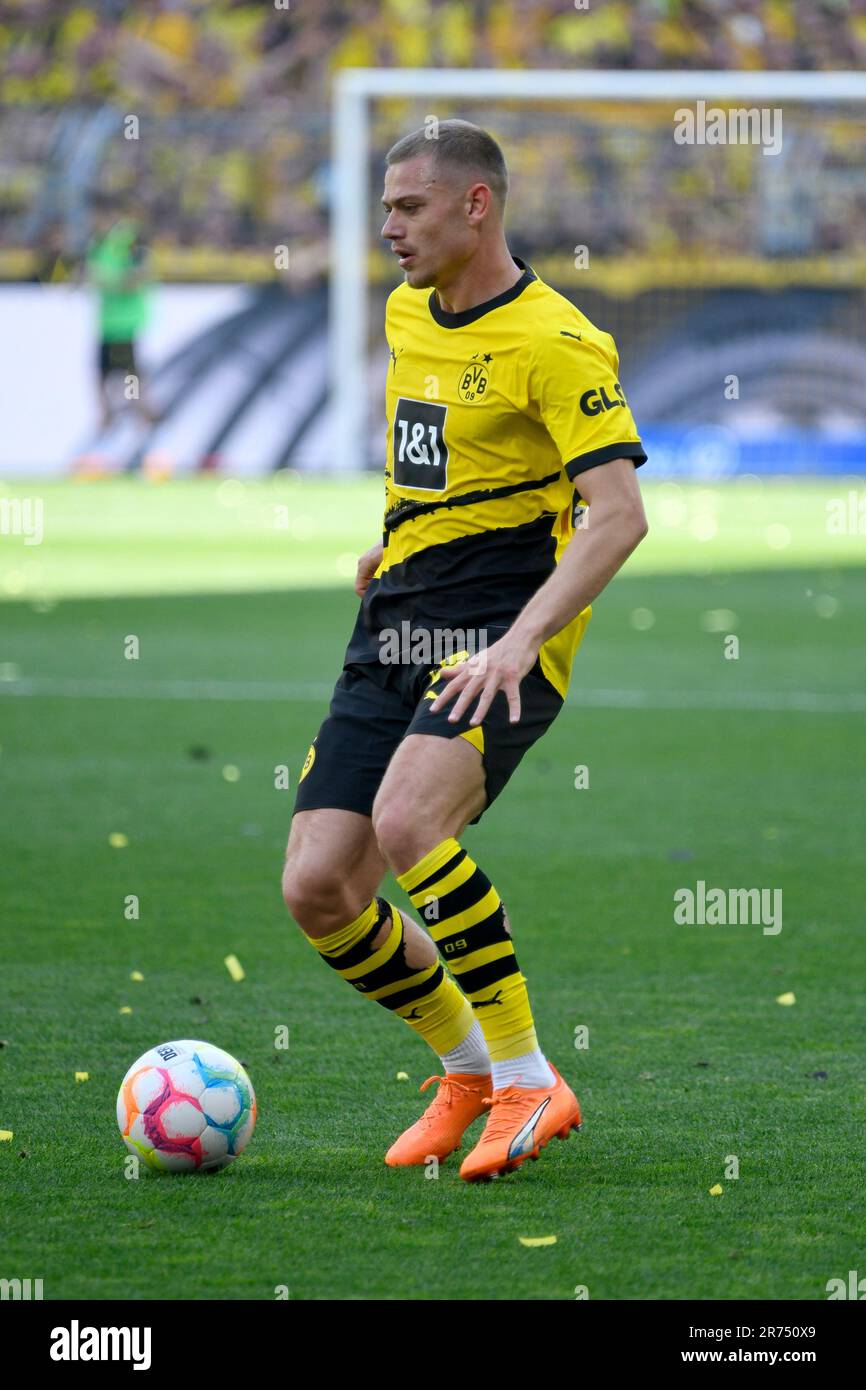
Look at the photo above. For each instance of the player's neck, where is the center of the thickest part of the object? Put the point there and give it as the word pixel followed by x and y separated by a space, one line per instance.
pixel 483 278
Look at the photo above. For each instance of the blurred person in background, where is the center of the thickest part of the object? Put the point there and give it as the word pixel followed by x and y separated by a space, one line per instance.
pixel 118 269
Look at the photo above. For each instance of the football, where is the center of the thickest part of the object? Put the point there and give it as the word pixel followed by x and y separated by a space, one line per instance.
pixel 185 1106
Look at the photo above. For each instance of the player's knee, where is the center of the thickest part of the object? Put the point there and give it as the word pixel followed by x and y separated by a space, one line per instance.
pixel 400 840
pixel 320 897
pixel 307 893
pixel 386 826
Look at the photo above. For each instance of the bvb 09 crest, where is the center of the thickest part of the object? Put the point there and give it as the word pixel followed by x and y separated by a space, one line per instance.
pixel 473 383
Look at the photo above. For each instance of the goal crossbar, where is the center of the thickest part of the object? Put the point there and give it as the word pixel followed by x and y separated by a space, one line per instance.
pixel 354 89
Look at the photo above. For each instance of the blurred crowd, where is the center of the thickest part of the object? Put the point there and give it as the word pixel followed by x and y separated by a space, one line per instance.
pixel 177 54
pixel 233 103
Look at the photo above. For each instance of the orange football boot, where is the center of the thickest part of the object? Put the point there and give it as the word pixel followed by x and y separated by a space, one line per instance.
pixel 460 1099
pixel 520 1123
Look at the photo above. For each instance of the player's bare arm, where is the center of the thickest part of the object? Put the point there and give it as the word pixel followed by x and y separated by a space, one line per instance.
pixel 367 566
pixel 590 560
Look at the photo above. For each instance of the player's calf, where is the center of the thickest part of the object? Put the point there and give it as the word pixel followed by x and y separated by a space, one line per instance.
pixel 375 947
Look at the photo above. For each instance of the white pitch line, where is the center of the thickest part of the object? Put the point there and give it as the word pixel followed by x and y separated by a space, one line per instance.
pixel 776 701
pixel 71 689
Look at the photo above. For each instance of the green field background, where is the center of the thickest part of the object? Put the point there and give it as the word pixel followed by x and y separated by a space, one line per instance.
pixel 743 773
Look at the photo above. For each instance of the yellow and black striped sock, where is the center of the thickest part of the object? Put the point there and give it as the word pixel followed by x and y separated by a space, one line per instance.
pixel 425 998
pixel 465 917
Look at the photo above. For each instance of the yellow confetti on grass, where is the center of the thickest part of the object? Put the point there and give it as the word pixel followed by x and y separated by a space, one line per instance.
pixel 5 1136
pixel 124 1009
pixel 532 1241
pixel 234 967
pixel 118 840
pixel 786 1000
pixel 402 1076
pixel 137 976
pixel 717 1190
pixel 82 1076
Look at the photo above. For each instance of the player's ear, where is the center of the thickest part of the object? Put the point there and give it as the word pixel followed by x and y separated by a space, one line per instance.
pixel 479 201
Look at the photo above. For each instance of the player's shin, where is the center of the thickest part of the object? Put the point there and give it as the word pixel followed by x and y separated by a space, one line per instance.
pixel 465 917
pixel 424 996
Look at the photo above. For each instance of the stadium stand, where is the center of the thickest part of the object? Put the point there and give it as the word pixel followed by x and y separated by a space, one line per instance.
pixel 208 121
pixel 234 98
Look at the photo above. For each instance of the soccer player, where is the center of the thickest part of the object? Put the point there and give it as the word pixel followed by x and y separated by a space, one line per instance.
pixel 118 268
pixel 504 415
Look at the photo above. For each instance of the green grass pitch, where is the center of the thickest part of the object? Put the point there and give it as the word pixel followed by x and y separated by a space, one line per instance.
pixel 743 773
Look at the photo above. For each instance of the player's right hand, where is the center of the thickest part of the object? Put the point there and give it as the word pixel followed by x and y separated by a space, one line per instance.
pixel 367 566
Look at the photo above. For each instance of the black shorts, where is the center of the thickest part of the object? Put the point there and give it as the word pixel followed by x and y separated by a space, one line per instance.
pixel 374 706
pixel 117 357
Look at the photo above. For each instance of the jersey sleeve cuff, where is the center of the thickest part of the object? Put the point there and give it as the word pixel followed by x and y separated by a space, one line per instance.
pixel 633 450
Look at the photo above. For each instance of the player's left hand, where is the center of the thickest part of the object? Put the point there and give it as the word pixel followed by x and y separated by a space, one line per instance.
pixel 499 667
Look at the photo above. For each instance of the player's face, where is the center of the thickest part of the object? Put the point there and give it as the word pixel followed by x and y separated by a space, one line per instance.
pixel 426 223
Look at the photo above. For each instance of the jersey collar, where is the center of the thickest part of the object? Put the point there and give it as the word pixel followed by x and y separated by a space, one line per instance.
pixel 446 320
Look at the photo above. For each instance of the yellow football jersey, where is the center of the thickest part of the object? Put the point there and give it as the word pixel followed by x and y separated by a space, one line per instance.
pixel 491 415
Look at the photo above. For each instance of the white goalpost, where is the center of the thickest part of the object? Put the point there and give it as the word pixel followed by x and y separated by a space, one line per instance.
pixel 356 88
